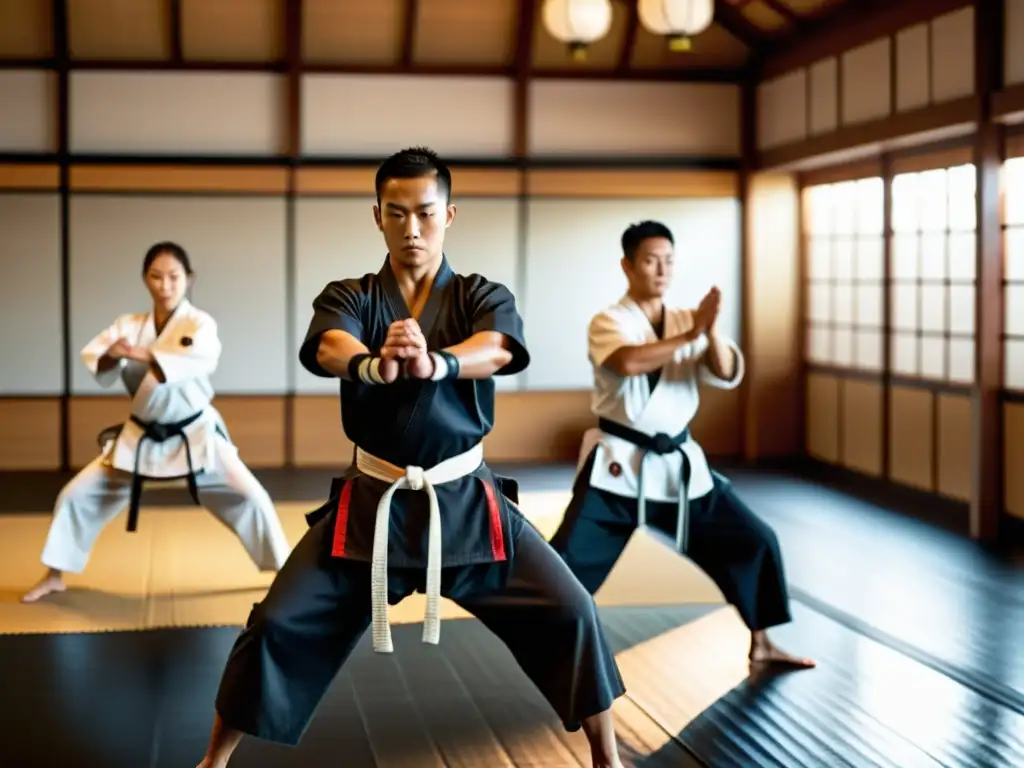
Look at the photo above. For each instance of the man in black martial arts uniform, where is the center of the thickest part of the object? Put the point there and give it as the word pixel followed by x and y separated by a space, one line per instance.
pixel 415 346
pixel 640 465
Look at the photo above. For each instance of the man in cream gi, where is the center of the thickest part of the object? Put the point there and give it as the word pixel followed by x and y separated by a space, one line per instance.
pixel 640 464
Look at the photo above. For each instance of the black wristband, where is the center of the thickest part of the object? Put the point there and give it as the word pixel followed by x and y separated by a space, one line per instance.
pixel 353 365
pixel 446 365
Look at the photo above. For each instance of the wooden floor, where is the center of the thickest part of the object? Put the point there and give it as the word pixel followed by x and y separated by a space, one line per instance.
pixel 918 633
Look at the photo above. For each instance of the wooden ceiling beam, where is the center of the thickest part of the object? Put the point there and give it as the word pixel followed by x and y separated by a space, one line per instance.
pixel 739 27
pixel 792 18
pixel 174 29
pixel 526 22
pixel 293 60
pixel 849 24
pixel 629 39
pixel 412 12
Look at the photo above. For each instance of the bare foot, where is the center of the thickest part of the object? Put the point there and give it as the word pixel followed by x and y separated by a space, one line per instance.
pixel 764 654
pixel 48 584
pixel 780 658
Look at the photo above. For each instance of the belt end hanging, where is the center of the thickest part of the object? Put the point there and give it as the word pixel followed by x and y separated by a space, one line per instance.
pixel 432 623
pixel 133 519
pixel 382 641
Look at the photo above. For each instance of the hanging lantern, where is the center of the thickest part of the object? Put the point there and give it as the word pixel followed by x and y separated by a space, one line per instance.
pixel 678 20
pixel 577 23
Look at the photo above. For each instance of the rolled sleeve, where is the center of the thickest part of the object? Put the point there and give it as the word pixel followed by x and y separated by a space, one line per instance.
pixel 718 383
pixel 337 308
pixel 604 337
pixel 494 309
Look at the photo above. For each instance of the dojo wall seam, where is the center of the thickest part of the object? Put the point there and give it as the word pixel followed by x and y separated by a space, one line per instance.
pixel 60 47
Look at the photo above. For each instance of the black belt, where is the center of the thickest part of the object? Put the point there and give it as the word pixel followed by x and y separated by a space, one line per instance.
pixel 158 433
pixel 660 444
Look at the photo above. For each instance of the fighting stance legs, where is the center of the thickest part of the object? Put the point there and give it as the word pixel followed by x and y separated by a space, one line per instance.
pixel 98 494
pixel 318 608
pixel 736 549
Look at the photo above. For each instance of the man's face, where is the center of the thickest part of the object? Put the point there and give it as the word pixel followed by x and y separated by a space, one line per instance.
pixel 413 216
pixel 650 271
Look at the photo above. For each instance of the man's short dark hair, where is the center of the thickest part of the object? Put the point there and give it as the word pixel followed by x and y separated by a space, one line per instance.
pixel 637 233
pixel 414 163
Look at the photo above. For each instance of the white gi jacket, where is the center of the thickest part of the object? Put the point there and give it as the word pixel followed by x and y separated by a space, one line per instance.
pixel 187 351
pixel 629 401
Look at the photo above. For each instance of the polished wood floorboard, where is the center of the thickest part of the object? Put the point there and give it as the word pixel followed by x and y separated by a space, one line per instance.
pixel 918 631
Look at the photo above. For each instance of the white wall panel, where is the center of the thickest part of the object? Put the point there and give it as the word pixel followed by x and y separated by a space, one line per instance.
pixel 782 110
pixel 953 55
pixel 237 248
pixel 573 272
pixel 336 238
pixel 913 78
pixel 570 117
pixel 866 82
pixel 824 104
pixel 32 348
pixel 182 113
pixel 375 115
pixel 1013 42
pixel 28 106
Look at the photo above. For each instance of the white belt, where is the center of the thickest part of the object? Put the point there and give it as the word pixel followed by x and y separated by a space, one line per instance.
pixel 416 479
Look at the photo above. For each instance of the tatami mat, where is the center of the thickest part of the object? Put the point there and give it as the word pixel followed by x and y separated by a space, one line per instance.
pixel 182 568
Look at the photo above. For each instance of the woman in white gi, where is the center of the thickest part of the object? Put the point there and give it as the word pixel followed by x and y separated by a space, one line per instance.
pixel 165 358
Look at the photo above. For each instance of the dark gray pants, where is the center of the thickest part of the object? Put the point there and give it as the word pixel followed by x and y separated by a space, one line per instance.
pixel 318 608
pixel 737 549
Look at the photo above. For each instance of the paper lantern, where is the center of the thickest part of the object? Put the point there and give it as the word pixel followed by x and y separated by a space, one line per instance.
pixel 577 23
pixel 678 20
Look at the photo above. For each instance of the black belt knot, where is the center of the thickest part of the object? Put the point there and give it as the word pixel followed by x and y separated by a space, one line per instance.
pixel 662 444
pixel 159 433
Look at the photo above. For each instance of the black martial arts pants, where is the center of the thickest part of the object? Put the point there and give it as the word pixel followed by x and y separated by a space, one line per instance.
pixel 737 549
pixel 318 608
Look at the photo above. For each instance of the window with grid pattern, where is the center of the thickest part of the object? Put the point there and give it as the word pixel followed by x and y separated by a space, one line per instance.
pixel 845 253
pixel 1013 266
pixel 932 274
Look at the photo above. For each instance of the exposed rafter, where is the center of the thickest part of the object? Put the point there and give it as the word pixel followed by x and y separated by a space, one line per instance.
pixel 792 18
pixel 525 24
pixel 739 27
pixel 847 25
pixel 832 17
pixel 629 39
pixel 174 29
pixel 393 50
pixel 412 12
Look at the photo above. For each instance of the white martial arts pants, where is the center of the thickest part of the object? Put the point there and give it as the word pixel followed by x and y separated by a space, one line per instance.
pixel 98 494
